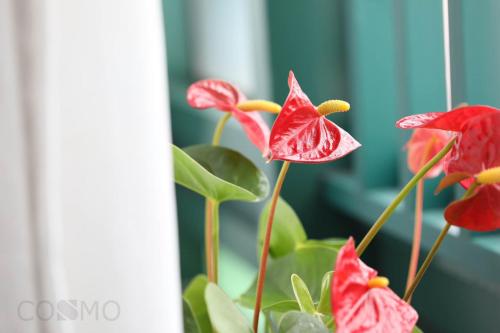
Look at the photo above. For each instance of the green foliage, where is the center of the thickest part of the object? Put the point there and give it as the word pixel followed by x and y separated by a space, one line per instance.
pixel 324 305
pixel 311 263
pixel 190 323
pixel 196 318
pixel 302 295
pixel 224 315
pixel 287 232
pixel 219 173
pixel 298 322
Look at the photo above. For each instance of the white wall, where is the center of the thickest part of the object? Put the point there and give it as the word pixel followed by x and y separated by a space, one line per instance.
pixel 87 207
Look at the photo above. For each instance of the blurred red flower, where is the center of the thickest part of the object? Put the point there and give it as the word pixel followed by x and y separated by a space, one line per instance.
pixel 423 145
pixel 224 96
pixel 302 134
pixel 477 148
pixel 362 302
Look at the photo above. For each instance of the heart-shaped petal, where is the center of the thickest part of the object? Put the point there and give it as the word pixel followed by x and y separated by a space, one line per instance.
pixel 480 212
pixel 477 148
pixel 359 308
pixel 423 145
pixel 301 134
pixel 255 128
pixel 451 121
pixel 217 94
pixel 379 310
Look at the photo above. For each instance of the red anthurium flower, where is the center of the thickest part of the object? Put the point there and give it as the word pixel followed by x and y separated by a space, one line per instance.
pixel 302 134
pixel 423 145
pixel 477 150
pixel 224 96
pixel 467 155
pixel 450 121
pixel 362 302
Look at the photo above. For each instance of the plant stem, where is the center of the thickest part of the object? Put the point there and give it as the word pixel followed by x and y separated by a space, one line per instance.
pixel 212 216
pixel 402 194
pixel 432 253
pixel 417 233
pixel 208 240
pixel 215 237
pixel 267 240
pixel 419 208
pixel 219 128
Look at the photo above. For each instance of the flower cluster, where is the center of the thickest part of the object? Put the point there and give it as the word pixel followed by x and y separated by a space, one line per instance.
pixel 477 148
pixel 464 143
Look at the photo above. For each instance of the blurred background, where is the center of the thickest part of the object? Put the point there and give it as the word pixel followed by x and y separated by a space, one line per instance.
pixel 386 58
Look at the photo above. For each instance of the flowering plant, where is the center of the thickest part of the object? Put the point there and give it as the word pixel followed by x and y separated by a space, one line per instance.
pixel 306 285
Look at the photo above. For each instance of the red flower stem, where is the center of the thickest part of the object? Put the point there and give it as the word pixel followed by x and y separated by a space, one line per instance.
pixel 212 217
pixel 417 233
pixel 432 253
pixel 417 228
pixel 267 240
pixel 399 198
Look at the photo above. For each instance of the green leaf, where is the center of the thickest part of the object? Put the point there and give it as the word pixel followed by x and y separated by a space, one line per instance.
pixel 299 322
pixel 282 306
pixel 310 263
pixel 195 308
pixel 219 173
pixel 190 323
pixel 324 305
pixel 287 232
pixel 331 243
pixel 302 295
pixel 225 316
pixel 417 330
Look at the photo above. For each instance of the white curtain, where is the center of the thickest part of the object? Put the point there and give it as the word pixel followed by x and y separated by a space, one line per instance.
pixel 88 238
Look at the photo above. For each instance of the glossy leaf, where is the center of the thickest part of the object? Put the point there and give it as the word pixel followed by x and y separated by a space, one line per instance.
pixel 287 233
pixel 224 315
pixel 324 306
pixel 299 322
pixel 301 134
pixel 195 309
pixel 310 263
pixel 219 173
pixel 357 307
pixel 302 294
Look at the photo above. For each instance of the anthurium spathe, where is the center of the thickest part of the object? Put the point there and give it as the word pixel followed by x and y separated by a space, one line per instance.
pixel 362 302
pixel 477 153
pixel 303 134
pixel 223 96
pixel 422 146
pixel 452 120
pixel 471 123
